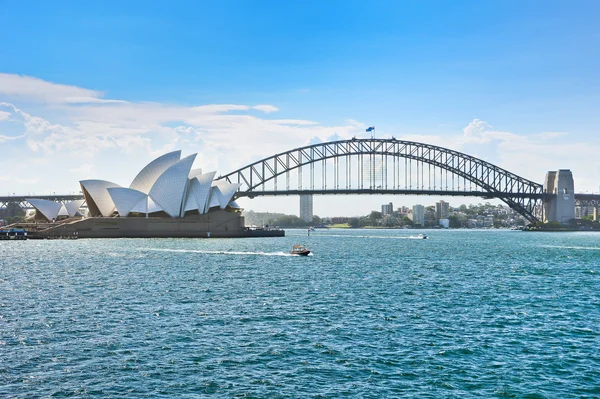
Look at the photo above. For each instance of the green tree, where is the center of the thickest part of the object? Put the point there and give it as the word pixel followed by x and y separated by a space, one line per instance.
pixel 375 216
pixel 407 222
pixel 455 221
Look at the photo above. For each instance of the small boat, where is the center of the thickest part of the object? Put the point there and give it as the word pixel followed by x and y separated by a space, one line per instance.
pixel 422 236
pixel 300 250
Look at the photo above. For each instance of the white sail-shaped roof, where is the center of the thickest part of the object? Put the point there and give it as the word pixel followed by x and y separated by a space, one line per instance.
pixel 234 205
pixel 49 209
pixel 141 206
pixel 153 206
pixel 125 199
pixel 215 195
pixel 169 189
pixel 168 184
pixel 225 192
pixel 190 201
pixel 146 205
pixel 198 192
pixel 195 173
pixel 97 197
pixel 205 181
pixel 147 177
pixel 63 211
pixel 73 207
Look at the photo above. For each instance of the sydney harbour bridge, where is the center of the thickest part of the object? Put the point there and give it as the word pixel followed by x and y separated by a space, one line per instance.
pixel 383 166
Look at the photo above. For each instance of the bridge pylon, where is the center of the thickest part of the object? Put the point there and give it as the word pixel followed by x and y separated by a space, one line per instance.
pixel 560 206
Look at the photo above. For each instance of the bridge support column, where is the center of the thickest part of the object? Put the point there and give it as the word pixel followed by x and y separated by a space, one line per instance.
pixel 561 207
pixel 306 207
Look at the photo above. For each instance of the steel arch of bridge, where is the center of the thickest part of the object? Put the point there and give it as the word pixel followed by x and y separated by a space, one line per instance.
pixel 372 164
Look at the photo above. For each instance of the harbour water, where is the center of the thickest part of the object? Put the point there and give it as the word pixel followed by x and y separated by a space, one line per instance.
pixel 370 314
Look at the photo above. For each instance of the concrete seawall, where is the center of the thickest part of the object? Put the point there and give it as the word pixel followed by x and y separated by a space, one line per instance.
pixel 217 224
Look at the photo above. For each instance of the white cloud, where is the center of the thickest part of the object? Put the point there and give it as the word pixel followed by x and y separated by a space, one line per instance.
pixel 420 138
pixel 82 171
pixel 220 108
pixel 19 180
pixel 29 180
pixel 475 128
pixel 531 155
pixel 4 138
pixel 39 90
pixel 186 130
pixel 552 135
pixel 355 123
pixel 266 108
pixel 89 100
pixel 75 130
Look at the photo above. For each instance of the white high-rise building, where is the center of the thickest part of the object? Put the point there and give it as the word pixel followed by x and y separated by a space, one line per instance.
pixel 387 209
pixel 441 210
pixel 418 214
pixel 306 207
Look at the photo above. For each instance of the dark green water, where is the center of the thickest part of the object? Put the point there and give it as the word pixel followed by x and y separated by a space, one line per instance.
pixel 372 314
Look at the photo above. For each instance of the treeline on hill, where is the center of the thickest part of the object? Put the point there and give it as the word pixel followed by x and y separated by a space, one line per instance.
pixel 471 216
pixel 291 221
pixel 277 219
pixel 12 214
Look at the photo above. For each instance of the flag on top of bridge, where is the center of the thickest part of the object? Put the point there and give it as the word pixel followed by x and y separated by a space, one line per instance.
pixel 370 128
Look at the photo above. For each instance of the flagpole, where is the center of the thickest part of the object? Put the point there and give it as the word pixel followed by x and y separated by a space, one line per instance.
pixel 371 129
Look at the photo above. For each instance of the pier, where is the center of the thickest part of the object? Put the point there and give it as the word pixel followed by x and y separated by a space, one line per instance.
pixel 13 234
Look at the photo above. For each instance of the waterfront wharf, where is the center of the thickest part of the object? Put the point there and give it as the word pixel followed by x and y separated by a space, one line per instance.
pixel 13 234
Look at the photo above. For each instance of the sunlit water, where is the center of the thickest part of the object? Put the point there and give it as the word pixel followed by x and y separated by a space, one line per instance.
pixel 370 314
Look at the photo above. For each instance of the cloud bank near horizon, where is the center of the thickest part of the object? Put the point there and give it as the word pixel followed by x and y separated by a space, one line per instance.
pixel 68 133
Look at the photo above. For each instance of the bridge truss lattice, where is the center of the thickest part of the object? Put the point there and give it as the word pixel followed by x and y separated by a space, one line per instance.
pixel 385 166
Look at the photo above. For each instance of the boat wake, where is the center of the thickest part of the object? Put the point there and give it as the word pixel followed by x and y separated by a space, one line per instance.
pixel 571 247
pixel 373 237
pixel 197 251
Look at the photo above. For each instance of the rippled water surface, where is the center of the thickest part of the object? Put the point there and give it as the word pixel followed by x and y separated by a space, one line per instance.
pixel 371 314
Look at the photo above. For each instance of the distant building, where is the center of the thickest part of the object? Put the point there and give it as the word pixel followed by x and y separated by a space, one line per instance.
pixel 387 209
pixel 441 210
pixel 472 223
pixel 445 223
pixel 583 211
pixel 306 207
pixel 404 210
pixel 418 214
pixel 488 221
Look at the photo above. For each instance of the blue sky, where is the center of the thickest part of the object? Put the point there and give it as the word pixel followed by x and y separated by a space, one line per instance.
pixel 514 82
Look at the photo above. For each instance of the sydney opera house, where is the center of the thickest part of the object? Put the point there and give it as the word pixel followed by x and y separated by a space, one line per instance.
pixel 166 199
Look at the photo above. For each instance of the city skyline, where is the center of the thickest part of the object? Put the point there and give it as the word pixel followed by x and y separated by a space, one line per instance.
pixel 103 88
